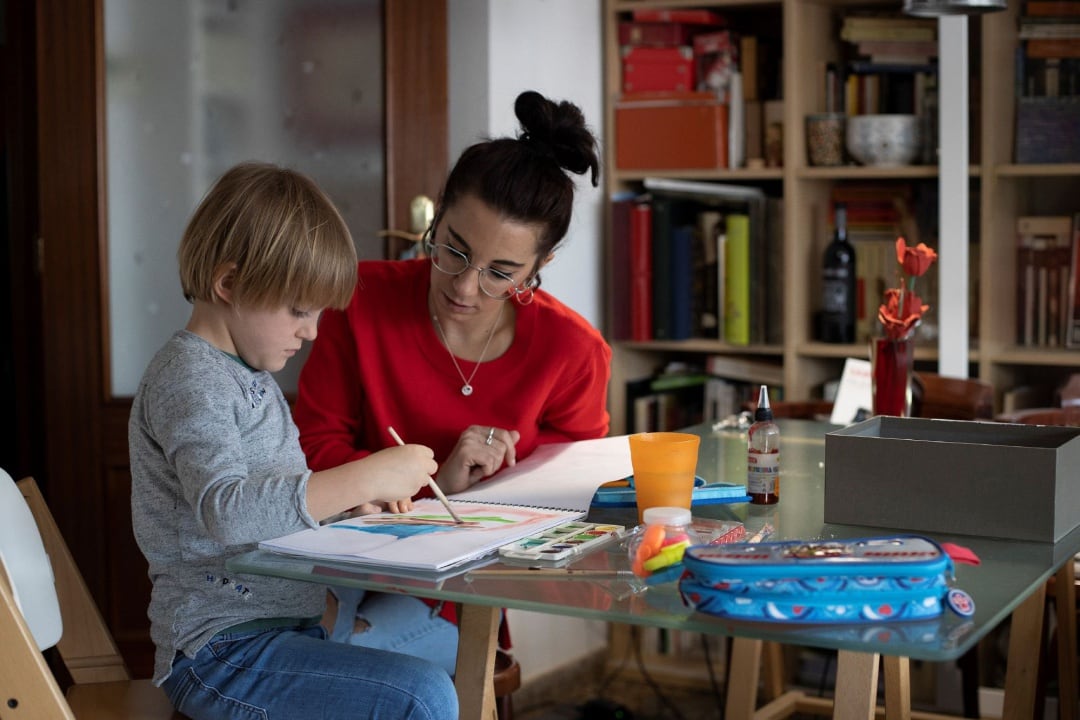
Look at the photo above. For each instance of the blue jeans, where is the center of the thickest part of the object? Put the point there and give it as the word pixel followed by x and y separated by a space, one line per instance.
pixel 398 623
pixel 296 673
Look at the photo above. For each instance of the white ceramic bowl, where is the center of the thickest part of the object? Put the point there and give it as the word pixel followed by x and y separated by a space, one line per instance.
pixel 883 140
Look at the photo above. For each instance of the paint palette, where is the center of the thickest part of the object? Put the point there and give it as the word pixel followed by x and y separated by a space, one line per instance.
pixel 560 544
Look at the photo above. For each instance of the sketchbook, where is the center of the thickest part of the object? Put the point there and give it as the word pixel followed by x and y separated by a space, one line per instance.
pixel 552 486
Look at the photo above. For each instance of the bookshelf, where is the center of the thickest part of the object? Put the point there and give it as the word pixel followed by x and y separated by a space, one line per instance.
pixel 806 34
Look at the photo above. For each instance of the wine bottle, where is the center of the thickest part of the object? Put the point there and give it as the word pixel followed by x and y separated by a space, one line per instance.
pixel 838 285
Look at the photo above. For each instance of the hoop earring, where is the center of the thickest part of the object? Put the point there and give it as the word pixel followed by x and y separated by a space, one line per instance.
pixel 524 296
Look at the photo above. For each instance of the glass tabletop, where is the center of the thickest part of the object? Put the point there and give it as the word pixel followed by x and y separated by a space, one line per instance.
pixel 1008 572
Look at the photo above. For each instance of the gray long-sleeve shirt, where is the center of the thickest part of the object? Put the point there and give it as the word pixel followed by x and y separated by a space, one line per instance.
pixel 216 466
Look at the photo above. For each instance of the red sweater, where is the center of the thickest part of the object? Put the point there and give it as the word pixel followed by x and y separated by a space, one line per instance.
pixel 380 362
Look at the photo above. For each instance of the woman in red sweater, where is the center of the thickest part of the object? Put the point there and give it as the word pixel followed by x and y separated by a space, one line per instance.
pixel 461 351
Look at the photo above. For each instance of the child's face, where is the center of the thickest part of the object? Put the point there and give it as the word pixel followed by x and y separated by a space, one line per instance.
pixel 265 339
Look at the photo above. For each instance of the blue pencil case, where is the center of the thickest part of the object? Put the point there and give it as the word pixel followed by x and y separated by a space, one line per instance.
pixel 827 581
pixel 620 493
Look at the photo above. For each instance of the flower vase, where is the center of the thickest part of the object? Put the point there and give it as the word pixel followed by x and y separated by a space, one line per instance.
pixel 891 366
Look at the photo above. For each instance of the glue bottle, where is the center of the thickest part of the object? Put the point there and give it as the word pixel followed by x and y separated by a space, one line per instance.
pixel 657 547
pixel 763 454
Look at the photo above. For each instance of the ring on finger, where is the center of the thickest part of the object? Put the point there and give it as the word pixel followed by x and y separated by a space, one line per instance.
pixel 490 436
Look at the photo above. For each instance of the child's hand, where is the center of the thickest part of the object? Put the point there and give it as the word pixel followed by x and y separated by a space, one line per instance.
pixel 397 506
pixel 397 473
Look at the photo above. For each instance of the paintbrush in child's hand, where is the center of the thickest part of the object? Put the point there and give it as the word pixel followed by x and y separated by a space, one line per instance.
pixel 431 482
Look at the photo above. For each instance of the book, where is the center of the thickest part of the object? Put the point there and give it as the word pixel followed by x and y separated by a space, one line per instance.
pixel 1042 275
pixel 640 299
pixel 749 203
pixel 552 486
pixel 682 285
pixel 662 219
pixel 737 280
pixel 751 370
pixel 622 207
pixel 687 16
pixel 710 233
pixel 1072 304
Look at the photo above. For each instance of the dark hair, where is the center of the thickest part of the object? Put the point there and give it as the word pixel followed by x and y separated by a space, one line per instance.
pixel 525 178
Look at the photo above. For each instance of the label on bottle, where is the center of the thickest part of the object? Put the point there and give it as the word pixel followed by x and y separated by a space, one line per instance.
pixel 762 471
pixel 835 292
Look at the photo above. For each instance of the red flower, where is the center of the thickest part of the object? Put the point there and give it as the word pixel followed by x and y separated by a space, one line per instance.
pixel 902 309
pixel 899 322
pixel 914 261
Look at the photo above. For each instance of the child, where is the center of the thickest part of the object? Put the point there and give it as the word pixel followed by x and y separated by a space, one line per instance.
pixel 216 467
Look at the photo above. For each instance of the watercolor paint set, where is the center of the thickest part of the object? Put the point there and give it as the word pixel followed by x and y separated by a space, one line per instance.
pixel 561 544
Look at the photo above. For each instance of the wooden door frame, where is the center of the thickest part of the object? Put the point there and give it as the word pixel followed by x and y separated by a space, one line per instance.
pixel 86 474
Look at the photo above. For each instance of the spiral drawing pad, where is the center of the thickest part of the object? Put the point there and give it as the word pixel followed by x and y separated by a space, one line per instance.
pixel 561 543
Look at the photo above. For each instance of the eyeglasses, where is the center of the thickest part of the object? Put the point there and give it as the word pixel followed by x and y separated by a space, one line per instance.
pixel 493 283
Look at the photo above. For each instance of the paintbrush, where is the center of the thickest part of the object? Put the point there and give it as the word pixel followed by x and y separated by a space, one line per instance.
pixel 431 482
pixel 550 573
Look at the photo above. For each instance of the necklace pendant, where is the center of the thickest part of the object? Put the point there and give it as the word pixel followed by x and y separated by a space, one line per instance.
pixel 466 389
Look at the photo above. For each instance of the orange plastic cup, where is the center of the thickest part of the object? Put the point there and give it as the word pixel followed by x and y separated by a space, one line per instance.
pixel 664 465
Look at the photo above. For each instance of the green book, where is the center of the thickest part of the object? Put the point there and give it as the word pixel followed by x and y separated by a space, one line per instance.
pixel 737 280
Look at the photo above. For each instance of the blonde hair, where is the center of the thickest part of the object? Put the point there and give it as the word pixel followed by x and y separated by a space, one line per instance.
pixel 287 240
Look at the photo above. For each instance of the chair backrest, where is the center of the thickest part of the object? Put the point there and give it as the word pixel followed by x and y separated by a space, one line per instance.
pixel 23 558
pixel 1043 416
pixel 102 686
pixel 947 398
pixel 27 686
pixel 86 646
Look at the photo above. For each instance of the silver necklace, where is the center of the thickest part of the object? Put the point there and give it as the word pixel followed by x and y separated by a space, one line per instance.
pixel 467 388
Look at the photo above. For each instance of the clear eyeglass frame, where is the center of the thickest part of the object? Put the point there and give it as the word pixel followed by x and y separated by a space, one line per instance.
pixel 450 260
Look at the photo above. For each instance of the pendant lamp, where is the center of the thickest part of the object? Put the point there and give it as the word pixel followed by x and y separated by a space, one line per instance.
pixel 937 8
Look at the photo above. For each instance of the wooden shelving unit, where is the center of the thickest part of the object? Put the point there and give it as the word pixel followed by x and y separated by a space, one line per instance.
pixel 1004 191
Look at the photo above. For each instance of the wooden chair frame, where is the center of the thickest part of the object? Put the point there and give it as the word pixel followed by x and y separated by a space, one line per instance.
pixel 103 688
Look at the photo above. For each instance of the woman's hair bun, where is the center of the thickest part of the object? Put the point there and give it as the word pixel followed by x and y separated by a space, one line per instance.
pixel 558 130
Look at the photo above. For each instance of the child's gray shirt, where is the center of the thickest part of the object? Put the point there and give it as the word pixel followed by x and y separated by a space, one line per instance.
pixel 216 466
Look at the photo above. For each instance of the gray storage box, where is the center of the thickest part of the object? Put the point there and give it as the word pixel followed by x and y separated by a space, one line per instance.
pixel 1020 482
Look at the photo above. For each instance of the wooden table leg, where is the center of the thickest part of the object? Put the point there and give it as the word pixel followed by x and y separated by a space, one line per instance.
pixel 1065 603
pixel 897 688
pixel 743 679
pixel 856 685
pixel 478 629
pixel 1022 663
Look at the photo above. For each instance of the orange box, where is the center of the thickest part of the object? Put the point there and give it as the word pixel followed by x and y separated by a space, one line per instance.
pixel 670 131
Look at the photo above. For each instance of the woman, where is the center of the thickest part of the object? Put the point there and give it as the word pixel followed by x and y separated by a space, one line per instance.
pixel 461 350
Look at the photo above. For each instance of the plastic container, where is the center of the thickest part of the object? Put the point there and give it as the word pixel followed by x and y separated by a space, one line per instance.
pixel 656 547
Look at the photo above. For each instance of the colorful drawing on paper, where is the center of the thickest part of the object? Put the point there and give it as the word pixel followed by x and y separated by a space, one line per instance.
pixel 409 525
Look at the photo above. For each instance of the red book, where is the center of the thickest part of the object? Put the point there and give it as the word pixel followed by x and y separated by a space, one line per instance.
pixel 1052 8
pixel 1062 47
pixel 691 17
pixel 640 272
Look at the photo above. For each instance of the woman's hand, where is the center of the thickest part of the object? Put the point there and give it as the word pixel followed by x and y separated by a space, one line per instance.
pixel 480 451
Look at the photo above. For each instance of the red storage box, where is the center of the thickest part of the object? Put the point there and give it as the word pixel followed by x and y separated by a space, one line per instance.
pixel 669 131
pixel 656 34
pixel 648 69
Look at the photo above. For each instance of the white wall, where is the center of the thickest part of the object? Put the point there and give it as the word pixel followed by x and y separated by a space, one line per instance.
pixel 499 48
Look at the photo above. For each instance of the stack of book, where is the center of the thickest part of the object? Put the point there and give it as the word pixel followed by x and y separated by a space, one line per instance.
pixel 697 260
pixel 1048 82
pixel 1047 282
pixel 892 66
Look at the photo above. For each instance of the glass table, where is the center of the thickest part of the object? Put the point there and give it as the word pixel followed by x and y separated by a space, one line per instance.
pixel 1010 580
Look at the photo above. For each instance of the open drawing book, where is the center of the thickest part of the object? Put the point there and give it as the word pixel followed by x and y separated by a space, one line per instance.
pixel 552 486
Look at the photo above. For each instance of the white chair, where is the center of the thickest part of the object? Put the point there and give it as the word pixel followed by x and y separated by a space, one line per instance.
pixel 37 613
